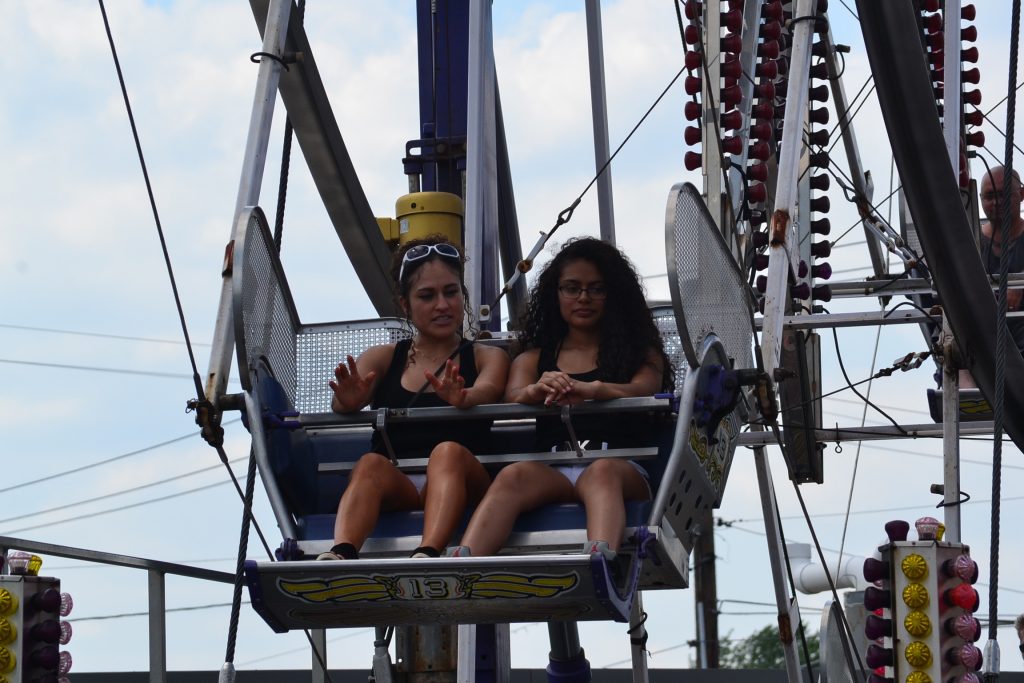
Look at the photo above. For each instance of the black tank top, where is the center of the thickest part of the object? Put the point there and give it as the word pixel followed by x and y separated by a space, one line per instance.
pixel 617 431
pixel 411 440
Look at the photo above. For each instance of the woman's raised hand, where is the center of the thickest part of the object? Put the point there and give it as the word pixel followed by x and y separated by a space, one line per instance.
pixel 451 386
pixel 351 390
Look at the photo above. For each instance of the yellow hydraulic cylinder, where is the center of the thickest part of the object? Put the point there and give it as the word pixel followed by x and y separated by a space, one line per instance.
pixel 428 213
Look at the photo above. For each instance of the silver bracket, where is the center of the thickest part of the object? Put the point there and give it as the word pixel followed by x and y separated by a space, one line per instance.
pixel 381 425
pixel 566 416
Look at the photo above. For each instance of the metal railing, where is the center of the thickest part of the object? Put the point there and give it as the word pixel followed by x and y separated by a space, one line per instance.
pixel 156 569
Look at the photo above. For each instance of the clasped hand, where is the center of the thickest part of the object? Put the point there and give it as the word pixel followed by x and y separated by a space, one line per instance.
pixel 558 388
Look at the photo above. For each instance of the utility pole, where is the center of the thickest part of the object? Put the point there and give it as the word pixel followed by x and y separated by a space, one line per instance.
pixel 706 594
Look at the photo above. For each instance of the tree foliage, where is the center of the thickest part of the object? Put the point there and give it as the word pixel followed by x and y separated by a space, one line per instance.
pixel 763 650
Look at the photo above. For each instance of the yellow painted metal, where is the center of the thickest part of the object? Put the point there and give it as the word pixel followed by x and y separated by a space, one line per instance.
pixel 429 213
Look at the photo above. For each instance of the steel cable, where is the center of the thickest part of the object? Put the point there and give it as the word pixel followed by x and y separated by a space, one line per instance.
pixel 992 647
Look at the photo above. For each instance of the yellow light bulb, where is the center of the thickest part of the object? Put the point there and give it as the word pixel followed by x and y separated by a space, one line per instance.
pixel 918 677
pixel 918 654
pixel 915 596
pixel 7 661
pixel 7 632
pixel 35 563
pixel 8 602
pixel 917 624
pixel 914 567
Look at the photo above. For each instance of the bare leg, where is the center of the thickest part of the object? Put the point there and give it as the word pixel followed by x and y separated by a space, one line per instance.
pixel 374 485
pixel 520 487
pixel 966 380
pixel 604 487
pixel 455 478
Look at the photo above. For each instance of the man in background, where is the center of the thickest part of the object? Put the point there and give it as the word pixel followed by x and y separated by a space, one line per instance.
pixel 993 251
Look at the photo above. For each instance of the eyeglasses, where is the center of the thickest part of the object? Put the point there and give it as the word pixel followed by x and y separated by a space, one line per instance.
pixel 994 196
pixel 422 251
pixel 596 292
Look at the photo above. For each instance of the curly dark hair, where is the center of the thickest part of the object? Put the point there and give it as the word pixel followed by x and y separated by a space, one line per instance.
pixel 628 332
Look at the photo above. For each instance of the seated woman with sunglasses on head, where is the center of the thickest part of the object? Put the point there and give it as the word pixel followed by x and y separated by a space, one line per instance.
pixel 434 368
pixel 589 335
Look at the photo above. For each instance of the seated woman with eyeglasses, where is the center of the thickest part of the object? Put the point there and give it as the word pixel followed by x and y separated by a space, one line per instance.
pixel 589 335
pixel 434 368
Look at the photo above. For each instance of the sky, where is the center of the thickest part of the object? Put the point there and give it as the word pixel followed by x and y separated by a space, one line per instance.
pixel 91 360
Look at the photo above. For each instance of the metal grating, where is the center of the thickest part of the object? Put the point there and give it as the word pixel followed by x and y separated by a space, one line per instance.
pixel 665 320
pixel 322 347
pixel 268 315
pixel 709 292
pixel 302 357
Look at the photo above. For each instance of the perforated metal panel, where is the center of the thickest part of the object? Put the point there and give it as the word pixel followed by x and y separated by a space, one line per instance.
pixel 708 290
pixel 665 320
pixel 265 318
pixel 322 347
pixel 302 357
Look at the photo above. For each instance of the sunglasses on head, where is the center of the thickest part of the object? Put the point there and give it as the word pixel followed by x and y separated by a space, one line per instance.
pixel 422 251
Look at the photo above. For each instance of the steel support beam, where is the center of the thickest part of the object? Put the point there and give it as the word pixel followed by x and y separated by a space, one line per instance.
pixel 927 430
pixel 599 113
pixel 950 436
pixel 782 237
pixel 157 628
pixel 275 17
pixel 785 602
pixel 481 162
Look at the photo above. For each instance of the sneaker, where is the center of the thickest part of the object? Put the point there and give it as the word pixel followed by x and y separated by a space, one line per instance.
pixel 329 555
pixel 425 551
pixel 458 551
pixel 616 568
pixel 599 548
pixel 341 551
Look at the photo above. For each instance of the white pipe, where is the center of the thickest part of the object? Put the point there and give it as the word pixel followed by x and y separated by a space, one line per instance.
pixel 809 577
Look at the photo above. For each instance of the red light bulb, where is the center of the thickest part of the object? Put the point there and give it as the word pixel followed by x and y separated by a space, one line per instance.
pixel 964 597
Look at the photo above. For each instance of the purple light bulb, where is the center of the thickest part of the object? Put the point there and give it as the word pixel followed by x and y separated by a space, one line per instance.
pixel 964 626
pixel 878 656
pixel 962 567
pixel 65 632
pixel 875 570
pixel 66 604
pixel 897 530
pixel 64 665
pixel 927 528
pixel 876 627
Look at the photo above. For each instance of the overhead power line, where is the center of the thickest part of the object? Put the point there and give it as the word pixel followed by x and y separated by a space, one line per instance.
pixel 107 461
pixel 125 615
pixel 100 335
pixel 119 492
pixel 351 634
pixel 89 368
